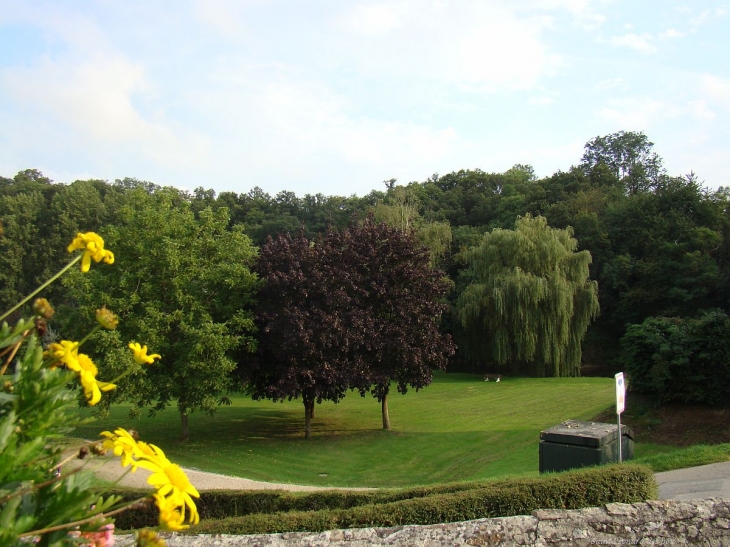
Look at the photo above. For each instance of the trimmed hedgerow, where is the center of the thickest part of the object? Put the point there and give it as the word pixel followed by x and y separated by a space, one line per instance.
pixel 260 512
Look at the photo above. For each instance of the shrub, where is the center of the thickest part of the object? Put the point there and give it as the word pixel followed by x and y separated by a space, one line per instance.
pixel 270 512
pixel 680 359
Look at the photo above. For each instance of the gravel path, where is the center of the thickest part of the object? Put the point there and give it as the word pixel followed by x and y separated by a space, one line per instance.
pixel 108 468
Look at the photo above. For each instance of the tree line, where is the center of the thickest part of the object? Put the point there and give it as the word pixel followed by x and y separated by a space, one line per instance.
pixel 636 243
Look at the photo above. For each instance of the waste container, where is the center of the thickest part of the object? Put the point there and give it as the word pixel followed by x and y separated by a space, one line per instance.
pixel 578 444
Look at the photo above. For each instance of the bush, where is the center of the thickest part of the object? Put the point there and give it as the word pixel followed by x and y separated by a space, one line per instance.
pixel 270 512
pixel 680 359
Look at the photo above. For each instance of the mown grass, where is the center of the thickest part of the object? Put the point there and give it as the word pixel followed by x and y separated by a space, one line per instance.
pixel 666 458
pixel 458 429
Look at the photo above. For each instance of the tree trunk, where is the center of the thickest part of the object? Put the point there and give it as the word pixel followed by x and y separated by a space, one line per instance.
pixel 184 424
pixel 308 415
pixel 386 416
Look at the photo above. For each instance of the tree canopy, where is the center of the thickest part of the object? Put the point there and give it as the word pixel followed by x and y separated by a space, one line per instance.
pixel 181 285
pixel 659 242
pixel 530 298
pixel 354 309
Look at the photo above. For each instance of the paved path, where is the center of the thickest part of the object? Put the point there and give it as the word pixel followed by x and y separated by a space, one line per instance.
pixel 109 469
pixel 705 481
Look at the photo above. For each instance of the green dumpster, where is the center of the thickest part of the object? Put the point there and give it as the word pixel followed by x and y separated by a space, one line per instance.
pixel 575 444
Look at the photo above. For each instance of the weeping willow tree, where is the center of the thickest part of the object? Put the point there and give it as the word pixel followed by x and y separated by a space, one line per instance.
pixel 529 302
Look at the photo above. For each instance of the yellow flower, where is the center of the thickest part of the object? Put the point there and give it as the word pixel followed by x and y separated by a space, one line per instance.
pixel 93 388
pixel 171 481
pixel 87 375
pixel 171 516
pixel 140 354
pixel 65 352
pixel 93 247
pixel 123 444
pixel 149 538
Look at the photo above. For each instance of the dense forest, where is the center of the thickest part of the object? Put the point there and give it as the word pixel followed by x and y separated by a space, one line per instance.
pixel 659 242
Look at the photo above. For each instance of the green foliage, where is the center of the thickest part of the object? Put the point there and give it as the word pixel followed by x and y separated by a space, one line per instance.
pixel 401 210
pixel 629 157
pixel 660 244
pixel 41 501
pixel 182 285
pixel 36 410
pixel 680 359
pixel 531 300
pixel 281 512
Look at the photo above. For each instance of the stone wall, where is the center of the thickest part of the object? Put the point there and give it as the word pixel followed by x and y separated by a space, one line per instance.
pixel 696 522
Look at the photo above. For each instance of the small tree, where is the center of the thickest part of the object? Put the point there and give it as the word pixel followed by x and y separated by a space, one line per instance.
pixel 305 337
pixel 530 299
pixel 401 299
pixel 355 309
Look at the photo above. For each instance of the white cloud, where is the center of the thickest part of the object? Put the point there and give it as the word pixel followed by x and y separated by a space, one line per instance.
pixel 700 110
pixel 372 19
pixel 583 11
pixel 671 33
pixel 635 41
pixel 552 158
pixel 611 83
pixel 480 44
pixel 700 19
pixel 223 16
pixel 93 100
pixel 717 90
pixel 540 101
pixel 637 113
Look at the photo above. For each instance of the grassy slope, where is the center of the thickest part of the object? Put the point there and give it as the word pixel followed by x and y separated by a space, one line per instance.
pixel 460 428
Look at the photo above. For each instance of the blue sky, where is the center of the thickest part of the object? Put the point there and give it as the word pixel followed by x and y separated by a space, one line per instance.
pixel 336 96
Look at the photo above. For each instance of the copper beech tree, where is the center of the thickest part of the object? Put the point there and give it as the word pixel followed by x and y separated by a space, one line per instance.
pixel 355 309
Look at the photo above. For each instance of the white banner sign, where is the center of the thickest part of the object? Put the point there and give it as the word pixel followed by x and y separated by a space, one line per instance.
pixel 620 393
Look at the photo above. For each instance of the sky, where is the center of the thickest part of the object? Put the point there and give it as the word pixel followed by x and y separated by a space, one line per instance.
pixel 337 96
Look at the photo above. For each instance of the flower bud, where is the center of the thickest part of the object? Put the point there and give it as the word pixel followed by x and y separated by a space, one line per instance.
pixel 107 318
pixel 97 449
pixel 40 326
pixel 42 308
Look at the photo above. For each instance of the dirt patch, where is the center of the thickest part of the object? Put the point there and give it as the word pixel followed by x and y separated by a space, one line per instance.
pixel 673 424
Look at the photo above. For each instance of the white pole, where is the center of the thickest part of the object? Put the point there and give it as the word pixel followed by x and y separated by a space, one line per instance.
pixel 620 439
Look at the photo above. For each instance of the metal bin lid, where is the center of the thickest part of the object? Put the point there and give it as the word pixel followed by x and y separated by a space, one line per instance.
pixel 592 434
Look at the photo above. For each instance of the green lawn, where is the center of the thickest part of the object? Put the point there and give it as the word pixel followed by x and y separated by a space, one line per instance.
pixel 459 428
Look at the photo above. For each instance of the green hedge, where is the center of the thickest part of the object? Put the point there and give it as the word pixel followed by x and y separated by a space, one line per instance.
pixel 257 512
pixel 219 504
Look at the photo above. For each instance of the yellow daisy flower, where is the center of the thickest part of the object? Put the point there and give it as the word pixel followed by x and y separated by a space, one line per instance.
pixel 66 352
pixel 123 444
pixel 93 247
pixel 170 481
pixel 87 375
pixel 171 517
pixel 140 354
